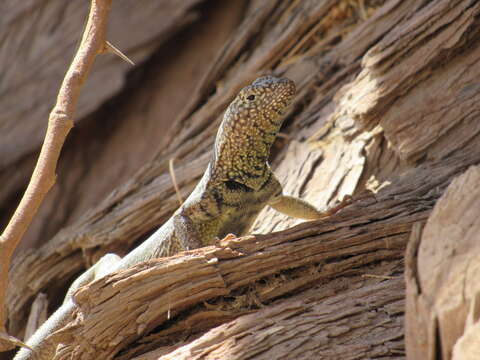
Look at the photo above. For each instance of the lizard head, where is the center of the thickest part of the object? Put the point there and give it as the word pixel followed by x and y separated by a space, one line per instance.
pixel 258 108
pixel 267 98
pixel 249 128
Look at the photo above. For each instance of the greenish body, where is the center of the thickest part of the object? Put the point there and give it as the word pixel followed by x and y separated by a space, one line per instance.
pixel 236 186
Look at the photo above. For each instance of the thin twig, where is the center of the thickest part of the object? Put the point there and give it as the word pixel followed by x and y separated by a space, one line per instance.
pixel 174 180
pixel 38 314
pixel 59 124
pixel 109 48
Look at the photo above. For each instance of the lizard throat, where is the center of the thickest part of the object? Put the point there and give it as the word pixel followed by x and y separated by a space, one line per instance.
pixel 249 128
pixel 242 148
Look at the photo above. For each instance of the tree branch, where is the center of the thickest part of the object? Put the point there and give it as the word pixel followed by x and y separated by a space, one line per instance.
pixel 59 124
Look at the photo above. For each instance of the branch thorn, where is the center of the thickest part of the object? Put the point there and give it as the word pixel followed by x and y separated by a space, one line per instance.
pixel 109 48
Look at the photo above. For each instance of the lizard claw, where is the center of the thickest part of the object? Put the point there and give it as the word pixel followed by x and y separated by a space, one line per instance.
pixel 227 237
pixel 230 236
pixel 339 205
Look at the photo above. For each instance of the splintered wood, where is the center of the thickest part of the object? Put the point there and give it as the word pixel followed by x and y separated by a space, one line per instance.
pixel 368 236
pixel 442 278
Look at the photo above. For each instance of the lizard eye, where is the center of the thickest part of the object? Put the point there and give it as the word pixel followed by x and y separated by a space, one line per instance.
pixel 251 97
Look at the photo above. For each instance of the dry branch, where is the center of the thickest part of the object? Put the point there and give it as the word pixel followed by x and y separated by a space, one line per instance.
pixel 310 326
pixel 59 124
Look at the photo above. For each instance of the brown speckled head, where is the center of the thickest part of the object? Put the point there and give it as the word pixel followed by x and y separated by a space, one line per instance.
pixel 265 99
pixel 248 129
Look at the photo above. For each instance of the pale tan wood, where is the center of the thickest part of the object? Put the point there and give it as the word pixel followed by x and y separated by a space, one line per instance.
pixel 467 347
pixel 420 113
pixel 444 266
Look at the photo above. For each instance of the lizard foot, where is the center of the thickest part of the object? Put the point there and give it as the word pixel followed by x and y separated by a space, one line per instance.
pixel 339 205
pixel 227 237
pixel 230 236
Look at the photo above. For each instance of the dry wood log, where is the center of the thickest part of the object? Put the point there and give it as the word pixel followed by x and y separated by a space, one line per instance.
pixel 442 272
pixel 364 315
pixel 147 199
pixel 239 275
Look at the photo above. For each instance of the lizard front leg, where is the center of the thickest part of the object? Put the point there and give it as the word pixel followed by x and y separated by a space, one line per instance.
pixel 295 207
pixel 301 209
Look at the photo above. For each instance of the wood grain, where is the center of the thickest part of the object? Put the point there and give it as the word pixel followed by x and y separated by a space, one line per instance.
pixel 444 263
pixel 119 308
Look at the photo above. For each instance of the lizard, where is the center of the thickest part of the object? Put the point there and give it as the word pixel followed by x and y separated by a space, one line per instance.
pixel 237 184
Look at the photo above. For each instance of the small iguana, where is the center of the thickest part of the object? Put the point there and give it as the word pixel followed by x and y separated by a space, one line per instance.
pixel 237 184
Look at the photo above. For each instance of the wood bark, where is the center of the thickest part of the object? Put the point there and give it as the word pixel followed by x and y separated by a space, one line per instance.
pixel 238 276
pixel 387 102
pixel 443 265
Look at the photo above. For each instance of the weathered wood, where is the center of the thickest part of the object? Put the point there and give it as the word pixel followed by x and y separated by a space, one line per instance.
pixel 310 326
pixel 442 277
pixel 135 208
pixel 117 309
pixel 417 82
pixel 143 200
pixel 146 207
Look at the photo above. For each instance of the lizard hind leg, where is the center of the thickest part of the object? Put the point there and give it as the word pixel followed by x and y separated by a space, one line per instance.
pixel 103 266
pixel 43 341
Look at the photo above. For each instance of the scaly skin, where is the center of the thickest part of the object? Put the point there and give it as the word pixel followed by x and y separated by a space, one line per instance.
pixel 236 186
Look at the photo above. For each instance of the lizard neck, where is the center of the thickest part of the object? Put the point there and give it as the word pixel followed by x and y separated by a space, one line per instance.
pixel 242 146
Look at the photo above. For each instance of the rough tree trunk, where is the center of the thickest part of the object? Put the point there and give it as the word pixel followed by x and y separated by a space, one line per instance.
pixel 387 107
